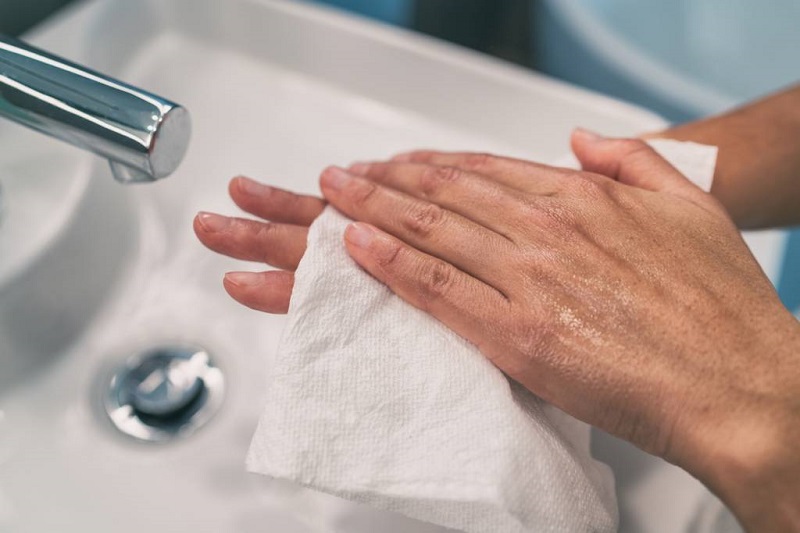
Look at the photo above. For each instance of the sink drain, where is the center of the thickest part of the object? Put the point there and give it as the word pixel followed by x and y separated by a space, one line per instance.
pixel 163 393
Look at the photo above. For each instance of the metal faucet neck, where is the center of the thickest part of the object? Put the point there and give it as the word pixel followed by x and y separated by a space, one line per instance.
pixel 143 136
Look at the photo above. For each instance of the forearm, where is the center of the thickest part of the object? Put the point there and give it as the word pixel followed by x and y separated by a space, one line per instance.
pixel 758 171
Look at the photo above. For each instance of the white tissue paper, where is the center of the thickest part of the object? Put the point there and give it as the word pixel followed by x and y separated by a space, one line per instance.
pixel 373 400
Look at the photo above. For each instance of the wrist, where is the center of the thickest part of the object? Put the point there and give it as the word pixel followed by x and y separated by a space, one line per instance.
pixel 751 459
pixel 758 478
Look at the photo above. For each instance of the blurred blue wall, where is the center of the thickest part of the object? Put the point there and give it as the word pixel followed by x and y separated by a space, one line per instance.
pixel 789 286
pixel 744 49
pixel 399 12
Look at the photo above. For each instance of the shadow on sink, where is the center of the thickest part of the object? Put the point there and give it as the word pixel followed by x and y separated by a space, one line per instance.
pixel 47 307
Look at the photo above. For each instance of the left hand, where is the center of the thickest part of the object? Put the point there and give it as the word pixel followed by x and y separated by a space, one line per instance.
pixel 279 239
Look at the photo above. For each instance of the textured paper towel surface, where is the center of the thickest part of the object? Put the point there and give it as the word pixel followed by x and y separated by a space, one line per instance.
pixel 373 400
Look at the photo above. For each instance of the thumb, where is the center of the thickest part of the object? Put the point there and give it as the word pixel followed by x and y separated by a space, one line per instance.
pixel 629 161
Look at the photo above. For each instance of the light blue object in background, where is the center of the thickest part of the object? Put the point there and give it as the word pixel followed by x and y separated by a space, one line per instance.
pixel 398 12
pixel 682 58
pixel 789 287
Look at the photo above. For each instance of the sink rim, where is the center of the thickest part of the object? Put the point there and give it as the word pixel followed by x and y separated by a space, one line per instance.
pixel 457 60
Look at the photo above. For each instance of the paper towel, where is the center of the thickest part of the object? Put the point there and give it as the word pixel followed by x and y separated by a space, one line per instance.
pixel 373 400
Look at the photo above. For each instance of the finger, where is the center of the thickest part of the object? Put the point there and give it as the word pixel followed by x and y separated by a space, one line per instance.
pixel 263 291
pixel 519 174
pixel 279 245
pixel 421 224
pixel 630 161
pixel 276 205
pixel 464 304
pixel 472 196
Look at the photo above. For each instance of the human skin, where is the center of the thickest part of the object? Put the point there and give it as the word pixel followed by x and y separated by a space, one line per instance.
pixel 622 294
pixel 758 173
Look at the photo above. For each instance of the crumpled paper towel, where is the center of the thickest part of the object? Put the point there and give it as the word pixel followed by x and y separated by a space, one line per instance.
pixel 373 400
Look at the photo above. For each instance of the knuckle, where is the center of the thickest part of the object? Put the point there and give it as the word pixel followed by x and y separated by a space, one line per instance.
pixel 435 282
pixel 632 146
pixel 267 242
pixel 637 157
pixel 478 161
pixel 595 188
pixel 590 185
pixel 422 220
pixel 389 257
pixel 265 231
pixel 363 193
pixel 636 150
pixel 433 178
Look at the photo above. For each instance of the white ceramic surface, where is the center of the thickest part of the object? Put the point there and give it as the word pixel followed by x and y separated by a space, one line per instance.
pixel 42 183
pixel 278 90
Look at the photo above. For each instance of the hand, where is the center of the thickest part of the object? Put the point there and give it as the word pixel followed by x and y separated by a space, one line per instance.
pixel 631 303
pixel 622 294
pixel 280 241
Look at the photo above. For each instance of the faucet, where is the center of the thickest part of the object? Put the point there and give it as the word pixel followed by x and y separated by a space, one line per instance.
pixel 143 136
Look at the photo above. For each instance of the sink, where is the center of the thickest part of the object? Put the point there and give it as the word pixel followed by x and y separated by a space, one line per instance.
pixel 278 90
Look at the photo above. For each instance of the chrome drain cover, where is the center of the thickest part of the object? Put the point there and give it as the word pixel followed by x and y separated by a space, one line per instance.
pixel 163 393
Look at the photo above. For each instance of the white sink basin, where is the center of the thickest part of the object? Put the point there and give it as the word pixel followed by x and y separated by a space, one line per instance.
pixel 278 90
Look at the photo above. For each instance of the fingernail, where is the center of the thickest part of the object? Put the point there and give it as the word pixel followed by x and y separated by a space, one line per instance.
pixel 588 135
pixel 243 279
pixel 335 178
pixel 360 235
pixel 213 223
pixel 405 157
pixel 252 187
pixel 359 168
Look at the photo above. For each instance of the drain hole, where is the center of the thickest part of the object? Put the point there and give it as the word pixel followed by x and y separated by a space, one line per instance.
pixel 164 392
pixel 178 418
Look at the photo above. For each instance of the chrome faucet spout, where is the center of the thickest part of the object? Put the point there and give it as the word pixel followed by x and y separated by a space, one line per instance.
pixel 143 136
